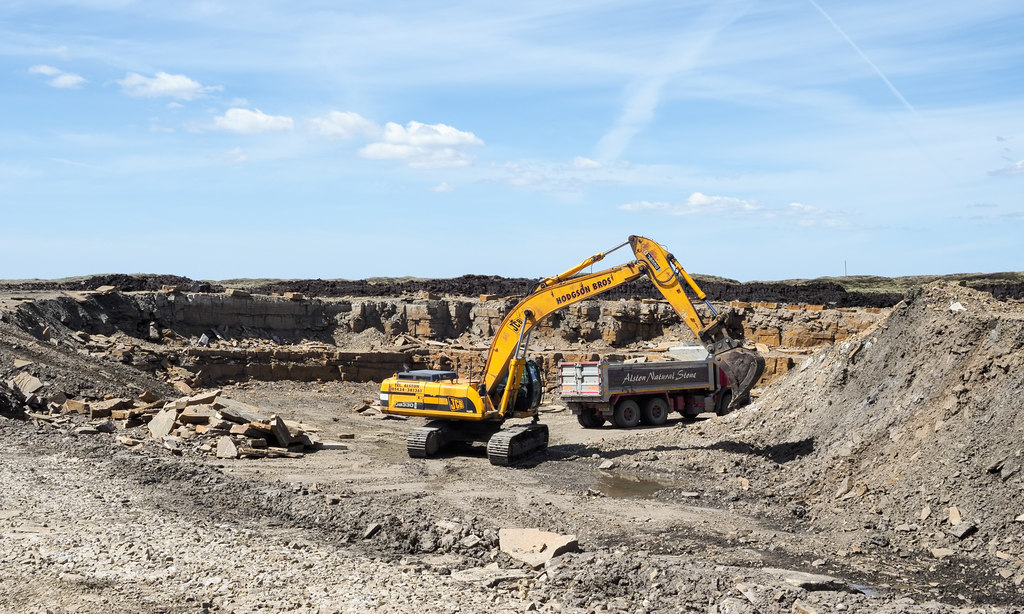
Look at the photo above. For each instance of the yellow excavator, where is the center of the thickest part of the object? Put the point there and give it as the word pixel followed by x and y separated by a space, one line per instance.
pixel 511 386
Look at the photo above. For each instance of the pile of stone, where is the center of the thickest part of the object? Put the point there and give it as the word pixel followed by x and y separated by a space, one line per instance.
pixel 220 427
pixel 27 388
pixel 238 432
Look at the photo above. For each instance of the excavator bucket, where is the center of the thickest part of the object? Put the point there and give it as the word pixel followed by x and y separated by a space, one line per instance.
pixel 743 367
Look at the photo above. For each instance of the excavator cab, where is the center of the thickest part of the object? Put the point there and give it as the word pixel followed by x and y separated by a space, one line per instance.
pixel 531 387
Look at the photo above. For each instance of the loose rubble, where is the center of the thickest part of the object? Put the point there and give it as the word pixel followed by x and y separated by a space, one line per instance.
pixel 224 428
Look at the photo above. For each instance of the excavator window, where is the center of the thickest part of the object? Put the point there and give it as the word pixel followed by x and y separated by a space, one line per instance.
pixel 534 383
pixel 531 387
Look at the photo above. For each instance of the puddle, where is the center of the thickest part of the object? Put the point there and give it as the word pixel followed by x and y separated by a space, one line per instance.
pixel 629 487
pixel 868 590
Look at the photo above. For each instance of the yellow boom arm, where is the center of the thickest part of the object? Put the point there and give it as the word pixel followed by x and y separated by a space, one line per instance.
pixel 547 298
pixel 507 352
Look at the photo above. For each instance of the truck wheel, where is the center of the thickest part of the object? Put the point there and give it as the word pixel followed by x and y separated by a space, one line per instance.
pixel 655 412
pixel 724 401
pixel 589 418
pixel 627 414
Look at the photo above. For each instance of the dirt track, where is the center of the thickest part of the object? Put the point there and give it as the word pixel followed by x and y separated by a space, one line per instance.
pixel 706 516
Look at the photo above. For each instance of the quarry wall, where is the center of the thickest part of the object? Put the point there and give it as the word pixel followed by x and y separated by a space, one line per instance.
pixel 230 336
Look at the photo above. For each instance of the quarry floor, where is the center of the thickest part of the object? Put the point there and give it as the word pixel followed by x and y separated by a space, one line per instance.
pixel 684 520
pixel 90 527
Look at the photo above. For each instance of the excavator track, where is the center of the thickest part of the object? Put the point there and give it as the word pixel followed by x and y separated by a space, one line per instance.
pixel 509 446
pixel 424 441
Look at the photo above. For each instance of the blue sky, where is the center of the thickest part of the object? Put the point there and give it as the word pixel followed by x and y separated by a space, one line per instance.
pixel 755 140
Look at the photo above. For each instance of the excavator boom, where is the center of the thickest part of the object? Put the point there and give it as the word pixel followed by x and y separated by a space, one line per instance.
pixel 545 300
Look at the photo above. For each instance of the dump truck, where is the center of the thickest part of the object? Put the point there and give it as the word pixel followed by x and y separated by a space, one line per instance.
pixel 629 393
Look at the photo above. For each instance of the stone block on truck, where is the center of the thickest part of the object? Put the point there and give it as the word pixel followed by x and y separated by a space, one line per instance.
pixel 630 393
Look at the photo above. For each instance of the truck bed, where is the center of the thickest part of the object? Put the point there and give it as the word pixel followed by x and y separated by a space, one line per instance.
pixel 601 380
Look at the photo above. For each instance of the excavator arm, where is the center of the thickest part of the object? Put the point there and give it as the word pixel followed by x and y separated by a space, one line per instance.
pixel 513 334
pixel 741 366
pixel 507 353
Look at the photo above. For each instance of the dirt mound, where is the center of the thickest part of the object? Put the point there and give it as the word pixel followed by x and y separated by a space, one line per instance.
pixel 124 283
pixel 815 293
pixel 912 419
pixel 74 374
pixel 908 436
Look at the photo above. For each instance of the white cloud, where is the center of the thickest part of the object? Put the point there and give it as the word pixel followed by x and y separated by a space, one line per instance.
pixel 802 209
pixel 696 203
pixel 567 178
pixel 61 79
pixel 237 155
pixel 643 206
pixel 417 157
pixel 643 95
pixel 809 215
pixel 156 127
pixel 428 135
pixel 343 125
pixel 423 145
pixel 68 81
pixel 43 69
pixel 579 162
pixel 794 213
pixel 164 84
pixel 1014 168
pixel 247 121
pixel 444 186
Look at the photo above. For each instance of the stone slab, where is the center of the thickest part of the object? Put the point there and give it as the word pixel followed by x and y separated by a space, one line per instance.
pixel 533 546
pixel 27 384
pixel 197 414
pixel 807 581
pixel 204 398
pixel 226 448
pixel 162 423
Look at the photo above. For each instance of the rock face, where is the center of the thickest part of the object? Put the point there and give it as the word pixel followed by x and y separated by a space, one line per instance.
pixel 614 322
pixel 236 336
